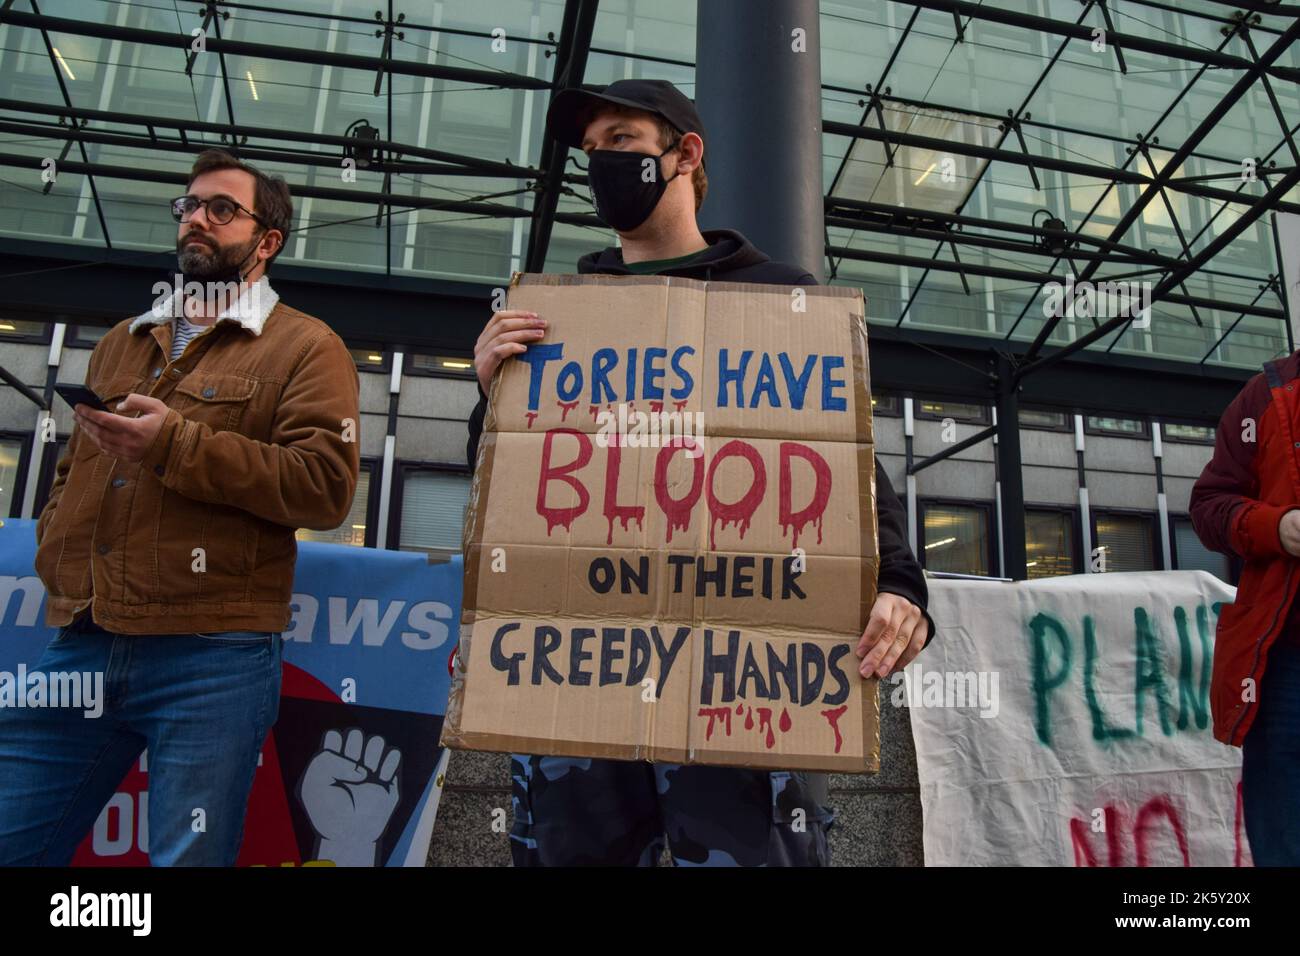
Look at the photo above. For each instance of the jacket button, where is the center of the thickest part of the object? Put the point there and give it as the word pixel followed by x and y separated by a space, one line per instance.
pixel 157 372
pixel 158 469
pixel 103 549
pixel 118 482
pixel 175 373
pixel 209 392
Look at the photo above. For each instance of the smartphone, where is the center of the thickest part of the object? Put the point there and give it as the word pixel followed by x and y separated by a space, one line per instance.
pixel 80 395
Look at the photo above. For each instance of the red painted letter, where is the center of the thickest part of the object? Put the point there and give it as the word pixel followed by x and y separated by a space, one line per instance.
pixel 821 490
pixel 613 509
pixel 564 473
pixel 743 510
pixel 677 510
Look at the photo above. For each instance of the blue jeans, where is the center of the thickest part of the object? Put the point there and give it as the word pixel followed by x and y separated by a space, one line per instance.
pixel 1270 771
pixel 201 703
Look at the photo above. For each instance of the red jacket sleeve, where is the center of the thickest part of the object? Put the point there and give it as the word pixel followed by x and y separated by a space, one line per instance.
pixel 1226 511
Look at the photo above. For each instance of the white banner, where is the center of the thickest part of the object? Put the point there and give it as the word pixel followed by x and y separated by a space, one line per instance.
pixel 1066 722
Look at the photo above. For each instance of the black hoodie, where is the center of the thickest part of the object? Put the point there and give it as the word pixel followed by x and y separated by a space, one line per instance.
pixel 732 258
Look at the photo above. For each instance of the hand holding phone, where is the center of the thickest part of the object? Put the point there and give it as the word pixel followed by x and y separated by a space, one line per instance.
pixel 80 395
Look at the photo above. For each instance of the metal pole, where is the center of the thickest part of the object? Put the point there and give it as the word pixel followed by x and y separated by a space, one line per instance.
pixel 1009 473
pixel 758 90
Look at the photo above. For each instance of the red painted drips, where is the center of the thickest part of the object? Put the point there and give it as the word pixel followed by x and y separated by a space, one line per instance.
pixel 723 713
pixel 765 720
pixel 833 718
pixel 814 513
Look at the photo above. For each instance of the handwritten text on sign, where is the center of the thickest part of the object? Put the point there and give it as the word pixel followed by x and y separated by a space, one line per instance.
pixel 735 547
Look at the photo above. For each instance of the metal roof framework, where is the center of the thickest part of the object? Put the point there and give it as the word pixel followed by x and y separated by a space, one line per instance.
pixel 1249 47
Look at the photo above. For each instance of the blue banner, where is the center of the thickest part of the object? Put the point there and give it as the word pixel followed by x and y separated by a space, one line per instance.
pixel 367 653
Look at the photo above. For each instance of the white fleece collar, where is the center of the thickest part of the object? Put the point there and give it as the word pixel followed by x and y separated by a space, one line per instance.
pixel 250 310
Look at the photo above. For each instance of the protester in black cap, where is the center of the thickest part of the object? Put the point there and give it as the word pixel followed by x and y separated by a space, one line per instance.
pixel 645 164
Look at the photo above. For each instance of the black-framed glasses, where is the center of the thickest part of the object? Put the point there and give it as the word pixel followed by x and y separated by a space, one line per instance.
pixel 221 209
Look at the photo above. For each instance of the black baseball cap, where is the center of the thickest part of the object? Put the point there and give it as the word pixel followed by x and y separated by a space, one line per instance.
pixel 571 109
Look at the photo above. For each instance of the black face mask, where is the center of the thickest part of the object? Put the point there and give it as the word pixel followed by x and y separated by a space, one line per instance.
pixel 618 179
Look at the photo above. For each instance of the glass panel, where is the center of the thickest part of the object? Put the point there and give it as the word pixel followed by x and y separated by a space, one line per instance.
pixel 1194 556
pixel 956 539
pixel 353 529
pixel 1120 426
pixel 443 364
pixel 89 333
pixel 1049 543
pixel 433 510
pixel 1125 542
pixel 958 411
pixel 1082 108
pixel 885 404
pixel 21 327
pixel 1041 418
pixel 1197 433
pixel 11 452
pixel 370 359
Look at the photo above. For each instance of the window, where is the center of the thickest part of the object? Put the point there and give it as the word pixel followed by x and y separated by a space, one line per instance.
pixel 885 403
pixel 1049 543
pixel 456 366
pixel 957 411
pixel 13 471
pixel 1046 419
pixel 432 515
pixel 23 330
pixel 1126 541
pixel 370 360
pixel 1176 431
pixel 1191 555
pixel 1124 427
pixel 86 335
pixel 355 528
pixel 956 538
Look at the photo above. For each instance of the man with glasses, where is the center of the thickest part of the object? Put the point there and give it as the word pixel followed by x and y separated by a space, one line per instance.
pixel 167 545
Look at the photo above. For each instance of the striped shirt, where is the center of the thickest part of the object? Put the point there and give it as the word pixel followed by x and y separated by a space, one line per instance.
pixel 182 334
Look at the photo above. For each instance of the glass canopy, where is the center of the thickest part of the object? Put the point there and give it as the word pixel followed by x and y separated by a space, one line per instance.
pixel 952 133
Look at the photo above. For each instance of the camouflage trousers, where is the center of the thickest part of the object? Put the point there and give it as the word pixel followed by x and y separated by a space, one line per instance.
pixel 572 811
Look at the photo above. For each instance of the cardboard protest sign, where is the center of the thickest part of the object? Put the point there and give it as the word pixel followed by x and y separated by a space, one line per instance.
pixel 1066 722
pixel 670 552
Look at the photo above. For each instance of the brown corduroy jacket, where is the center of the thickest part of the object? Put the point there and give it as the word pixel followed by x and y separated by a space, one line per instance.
pixel 261 438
